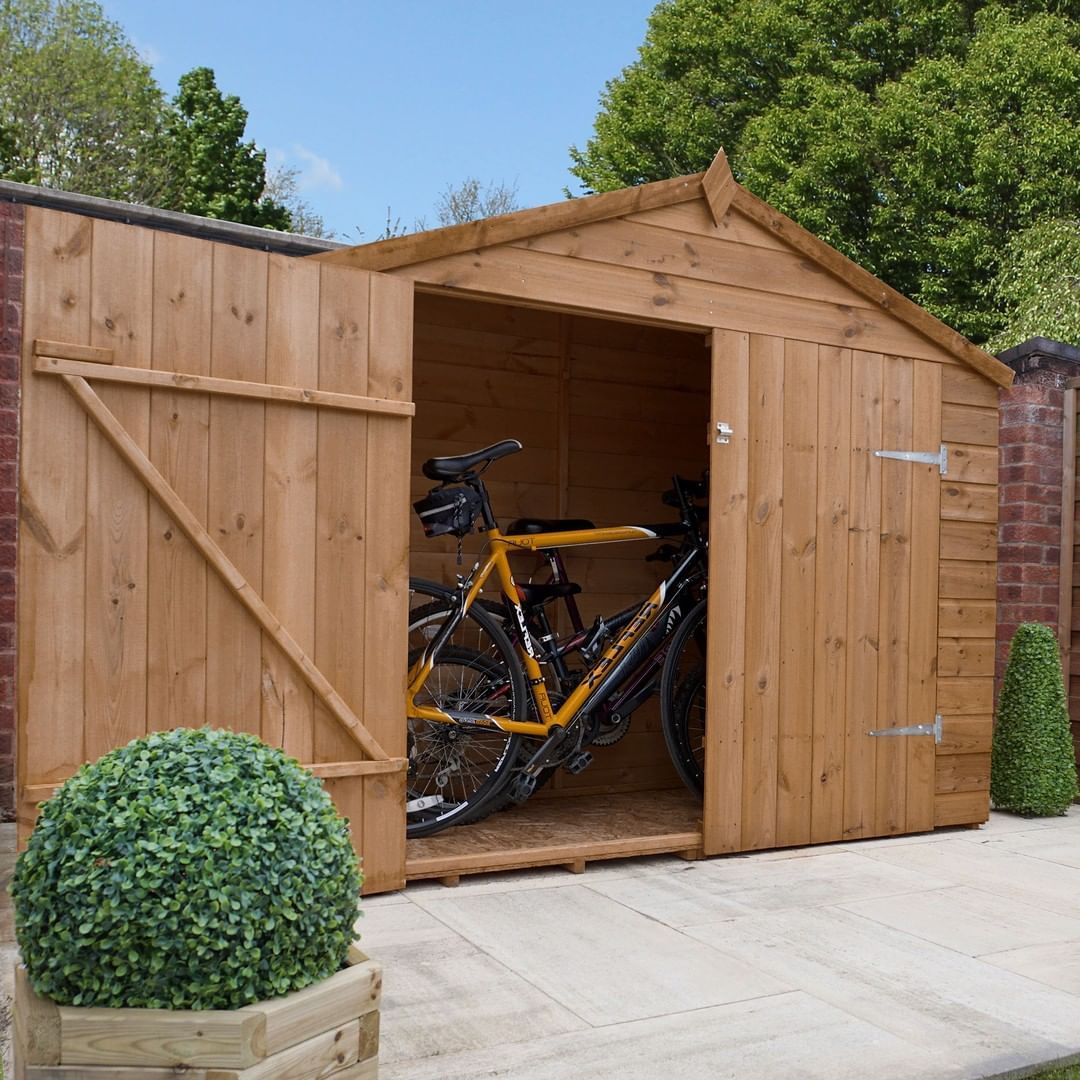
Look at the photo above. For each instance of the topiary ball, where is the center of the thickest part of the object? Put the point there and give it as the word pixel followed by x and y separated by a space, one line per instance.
pixel 186 870
pixel 1033 765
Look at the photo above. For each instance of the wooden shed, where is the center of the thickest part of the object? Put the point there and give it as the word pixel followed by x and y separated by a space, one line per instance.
pixel 216 506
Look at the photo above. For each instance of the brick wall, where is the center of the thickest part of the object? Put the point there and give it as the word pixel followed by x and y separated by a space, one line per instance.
pixel 1029 495
pixel 11 291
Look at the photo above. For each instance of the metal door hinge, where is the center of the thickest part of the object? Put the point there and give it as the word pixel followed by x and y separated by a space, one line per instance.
pixel 915 729
pixel 923 457
pixel 723 432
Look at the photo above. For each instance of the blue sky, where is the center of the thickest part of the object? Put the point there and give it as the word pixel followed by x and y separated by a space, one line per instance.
pixel 381 104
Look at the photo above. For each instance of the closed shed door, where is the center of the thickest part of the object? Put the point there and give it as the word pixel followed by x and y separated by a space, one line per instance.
pixel 214 480
pixel 822 595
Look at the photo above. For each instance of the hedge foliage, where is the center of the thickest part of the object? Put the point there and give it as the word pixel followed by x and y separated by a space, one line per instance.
pixel 1033 768
pixel 186 870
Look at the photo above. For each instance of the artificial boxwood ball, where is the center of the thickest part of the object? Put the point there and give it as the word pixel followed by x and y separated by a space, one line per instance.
pixel 186 870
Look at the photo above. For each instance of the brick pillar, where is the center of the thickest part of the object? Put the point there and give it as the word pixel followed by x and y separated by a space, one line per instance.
pixel 11 299
pixel 1029 496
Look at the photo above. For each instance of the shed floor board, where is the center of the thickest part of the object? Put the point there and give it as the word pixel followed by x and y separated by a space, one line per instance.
pixel 552 832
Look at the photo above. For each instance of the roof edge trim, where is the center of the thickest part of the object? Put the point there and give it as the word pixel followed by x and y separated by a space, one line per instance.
pixel 874 289
pixel 506 228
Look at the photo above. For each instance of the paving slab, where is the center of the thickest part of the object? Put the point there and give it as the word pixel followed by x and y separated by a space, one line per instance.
pixel 994 867
pixel 788 1036
pixel 970 920
pixel 445 996
pixel 728 888
pixel 604 962
pixel 1055 965
pixel 923 993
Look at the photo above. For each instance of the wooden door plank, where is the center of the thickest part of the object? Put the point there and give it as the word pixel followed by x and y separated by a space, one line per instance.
pixel 52 538
pixel 924 547
pixel 341 500
pixel 234 507
pixel 121 319
pixel 726 670
pixel 292 358
pixel 387 518
pixel 863 555
pixel 179 449
pixel 830 593
pixel 894 596
pixel 765 493
pixel 797 576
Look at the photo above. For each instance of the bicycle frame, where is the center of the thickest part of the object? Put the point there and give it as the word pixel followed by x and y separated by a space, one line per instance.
pixel 596 679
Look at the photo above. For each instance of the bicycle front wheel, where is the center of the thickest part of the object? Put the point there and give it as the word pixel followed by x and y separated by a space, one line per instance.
pixel 682 699
pixel 457 771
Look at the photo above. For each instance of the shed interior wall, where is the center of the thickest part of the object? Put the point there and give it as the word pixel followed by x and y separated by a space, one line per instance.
pixel 607 412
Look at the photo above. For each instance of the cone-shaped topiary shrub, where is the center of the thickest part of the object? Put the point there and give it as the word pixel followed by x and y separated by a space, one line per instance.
pixel 186 870
pixel 1033 770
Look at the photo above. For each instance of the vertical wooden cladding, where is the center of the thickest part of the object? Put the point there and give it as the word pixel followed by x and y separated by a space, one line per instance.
pixel 823 594
pixel 125 628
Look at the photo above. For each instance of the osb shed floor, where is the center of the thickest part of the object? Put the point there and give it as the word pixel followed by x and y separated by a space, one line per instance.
pixel 568 831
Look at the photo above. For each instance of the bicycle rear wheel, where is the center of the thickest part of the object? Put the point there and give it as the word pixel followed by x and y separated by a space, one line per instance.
pixel 457 771
pixel 682 699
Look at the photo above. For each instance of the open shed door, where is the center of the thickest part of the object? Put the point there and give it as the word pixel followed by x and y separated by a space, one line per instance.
pixel 214 485
pixel 822 593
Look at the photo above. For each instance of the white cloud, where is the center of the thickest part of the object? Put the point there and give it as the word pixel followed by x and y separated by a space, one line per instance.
pixel 316 171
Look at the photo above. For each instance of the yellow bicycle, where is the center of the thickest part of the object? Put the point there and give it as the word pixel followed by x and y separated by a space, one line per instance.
pixel 492 704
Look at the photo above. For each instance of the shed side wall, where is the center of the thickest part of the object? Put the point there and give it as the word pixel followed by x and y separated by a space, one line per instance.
pixel 967 590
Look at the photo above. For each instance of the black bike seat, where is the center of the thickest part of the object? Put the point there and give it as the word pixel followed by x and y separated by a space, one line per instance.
pixel 457 468
pixel 529 526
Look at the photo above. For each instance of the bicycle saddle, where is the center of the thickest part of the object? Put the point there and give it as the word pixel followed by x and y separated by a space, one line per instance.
pixel 529 526
pixel 457 468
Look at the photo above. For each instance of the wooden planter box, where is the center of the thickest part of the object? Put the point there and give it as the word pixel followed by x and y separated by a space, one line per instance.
pixel 327 1030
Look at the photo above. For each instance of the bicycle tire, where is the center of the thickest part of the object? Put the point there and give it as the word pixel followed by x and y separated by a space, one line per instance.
pixel 467 765
pixel 682 699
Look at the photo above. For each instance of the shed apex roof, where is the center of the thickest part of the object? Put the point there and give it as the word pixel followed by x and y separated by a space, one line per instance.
pixel 717 186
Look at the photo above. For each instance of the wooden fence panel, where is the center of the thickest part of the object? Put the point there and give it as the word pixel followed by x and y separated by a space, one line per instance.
pixel 215 550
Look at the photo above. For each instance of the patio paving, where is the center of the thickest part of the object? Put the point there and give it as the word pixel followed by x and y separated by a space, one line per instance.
pixel 951 954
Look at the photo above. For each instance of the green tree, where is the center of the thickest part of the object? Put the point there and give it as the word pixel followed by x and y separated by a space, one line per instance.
pixel 80 109
pixel 917 137
pixel 212 172
pixel 1039 285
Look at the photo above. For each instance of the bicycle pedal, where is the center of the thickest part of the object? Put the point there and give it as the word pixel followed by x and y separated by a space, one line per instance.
pixel 521 788
pixel 578 762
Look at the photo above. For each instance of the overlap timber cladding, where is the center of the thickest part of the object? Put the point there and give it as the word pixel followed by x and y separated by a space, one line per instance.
pixel 125 627
pixel 864 589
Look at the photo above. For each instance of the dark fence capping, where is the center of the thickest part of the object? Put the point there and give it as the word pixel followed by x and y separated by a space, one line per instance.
pixel 226 232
